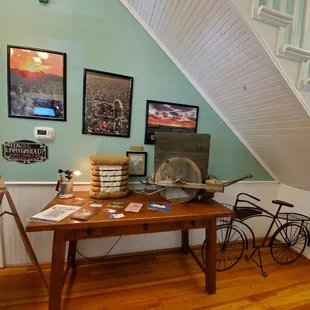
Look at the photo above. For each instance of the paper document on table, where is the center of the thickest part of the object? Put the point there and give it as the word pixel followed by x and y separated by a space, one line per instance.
pixel 134 207
pixel 53 214
pixel 116 216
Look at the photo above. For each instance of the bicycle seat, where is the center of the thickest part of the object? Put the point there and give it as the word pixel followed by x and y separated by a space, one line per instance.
pixel 283 203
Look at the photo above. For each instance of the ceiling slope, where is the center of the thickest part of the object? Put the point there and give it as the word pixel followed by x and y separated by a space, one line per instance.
pixel 211 45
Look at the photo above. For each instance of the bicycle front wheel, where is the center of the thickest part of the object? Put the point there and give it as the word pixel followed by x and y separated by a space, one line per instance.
pixel 229 247
pixel 288 243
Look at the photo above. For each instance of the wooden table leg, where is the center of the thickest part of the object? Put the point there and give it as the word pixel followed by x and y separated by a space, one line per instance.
pixel 185 242
pixel 210 269
pixel 71 253
pixel 57 270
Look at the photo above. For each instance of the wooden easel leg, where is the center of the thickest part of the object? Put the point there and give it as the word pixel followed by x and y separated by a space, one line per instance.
pixel 25 239
pixel 1 197
pixel 22 232
pixel 1 235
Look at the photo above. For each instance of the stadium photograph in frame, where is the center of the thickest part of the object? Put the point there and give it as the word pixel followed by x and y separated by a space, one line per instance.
pixel 169 117
pixel 107 103
pixel 36 83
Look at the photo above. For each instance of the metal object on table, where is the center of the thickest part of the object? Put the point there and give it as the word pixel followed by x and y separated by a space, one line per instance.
pixel 65 187
pixel 179 179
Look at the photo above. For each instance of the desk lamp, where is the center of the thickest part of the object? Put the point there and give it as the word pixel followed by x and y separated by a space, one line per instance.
pixel 65 187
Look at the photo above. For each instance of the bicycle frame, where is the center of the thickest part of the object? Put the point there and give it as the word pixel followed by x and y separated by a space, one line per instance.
pixel 254 210
pixel 264 213
pixel 290 236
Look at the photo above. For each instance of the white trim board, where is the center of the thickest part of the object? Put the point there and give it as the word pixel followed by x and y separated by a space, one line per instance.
pixel 200 91
pixel 129 183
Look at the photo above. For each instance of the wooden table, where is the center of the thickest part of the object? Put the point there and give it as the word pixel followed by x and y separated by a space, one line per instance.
pixel 181 217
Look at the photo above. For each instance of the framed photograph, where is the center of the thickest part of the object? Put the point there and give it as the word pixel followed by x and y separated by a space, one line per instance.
pixel 169 117
pixel 36 83
pixel 137 163
pixel 107 103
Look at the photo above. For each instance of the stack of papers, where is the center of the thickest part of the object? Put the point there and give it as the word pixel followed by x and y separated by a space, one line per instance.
pixel 53 214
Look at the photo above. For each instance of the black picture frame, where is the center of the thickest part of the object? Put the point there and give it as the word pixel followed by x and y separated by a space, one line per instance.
pixel 169 111
pixel 144 163
pixel 114 102
pixel 37 83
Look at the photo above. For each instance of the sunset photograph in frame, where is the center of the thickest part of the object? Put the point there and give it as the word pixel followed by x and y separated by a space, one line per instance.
pixel 169 117
pixel 36 83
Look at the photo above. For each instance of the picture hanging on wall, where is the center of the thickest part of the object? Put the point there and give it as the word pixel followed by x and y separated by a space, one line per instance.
pixel 169 117
pixel 36 83
pixel 107 103
pixel 137 163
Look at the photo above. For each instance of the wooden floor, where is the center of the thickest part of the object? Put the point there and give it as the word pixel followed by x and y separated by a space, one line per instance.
pixel 160 280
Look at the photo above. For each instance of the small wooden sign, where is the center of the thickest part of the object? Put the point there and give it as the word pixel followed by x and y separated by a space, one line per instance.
pixel 137 148
pixel 25 151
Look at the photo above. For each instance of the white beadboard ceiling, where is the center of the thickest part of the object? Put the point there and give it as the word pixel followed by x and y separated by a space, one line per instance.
pixel 215 49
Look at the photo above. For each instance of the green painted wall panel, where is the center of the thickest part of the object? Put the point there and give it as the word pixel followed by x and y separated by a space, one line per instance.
pixel 102 35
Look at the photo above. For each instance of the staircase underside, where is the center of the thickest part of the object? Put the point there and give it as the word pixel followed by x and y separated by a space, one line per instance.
pixel 213 46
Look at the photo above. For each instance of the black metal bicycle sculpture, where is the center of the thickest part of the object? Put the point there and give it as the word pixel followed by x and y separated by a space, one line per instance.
pixel 286 244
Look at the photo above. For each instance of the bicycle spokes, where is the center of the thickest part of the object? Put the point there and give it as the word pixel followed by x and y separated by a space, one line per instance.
pixel 230 247
pixel 288 243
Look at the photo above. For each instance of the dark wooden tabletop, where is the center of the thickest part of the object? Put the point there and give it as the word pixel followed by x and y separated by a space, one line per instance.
pixel 179 212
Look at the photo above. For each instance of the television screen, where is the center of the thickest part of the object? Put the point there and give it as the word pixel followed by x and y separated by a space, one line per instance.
pixel 40 111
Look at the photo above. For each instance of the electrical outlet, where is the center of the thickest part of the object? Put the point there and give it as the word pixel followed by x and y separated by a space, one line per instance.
pixel 43 1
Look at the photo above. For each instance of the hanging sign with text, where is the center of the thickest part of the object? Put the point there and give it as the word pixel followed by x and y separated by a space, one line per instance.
pixel 25 151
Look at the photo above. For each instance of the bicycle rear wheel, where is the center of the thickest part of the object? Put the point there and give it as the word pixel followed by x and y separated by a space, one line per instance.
pixel 288 243
pixel 229 247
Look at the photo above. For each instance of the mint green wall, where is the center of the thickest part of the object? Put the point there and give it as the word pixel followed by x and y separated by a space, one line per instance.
pixel 103 35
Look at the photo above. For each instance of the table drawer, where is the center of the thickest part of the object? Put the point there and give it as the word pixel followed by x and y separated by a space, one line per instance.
pixel 145 228
pixel 193 224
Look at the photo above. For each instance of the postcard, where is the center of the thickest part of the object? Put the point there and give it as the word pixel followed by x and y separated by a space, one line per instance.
pixel 107 210
pixel 115 205
pixel 158 207
pixel 116 216
pixel 134 207
pixel 96 205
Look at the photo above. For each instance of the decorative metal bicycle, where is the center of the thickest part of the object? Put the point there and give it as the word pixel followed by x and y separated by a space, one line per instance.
pixel 286 244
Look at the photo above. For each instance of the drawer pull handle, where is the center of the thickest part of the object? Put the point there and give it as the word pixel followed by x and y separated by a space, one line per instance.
pixel 145 226
pixel 193 223
pixel 89 231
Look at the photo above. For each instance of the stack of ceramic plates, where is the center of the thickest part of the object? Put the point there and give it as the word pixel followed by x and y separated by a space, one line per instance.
pixel 109 176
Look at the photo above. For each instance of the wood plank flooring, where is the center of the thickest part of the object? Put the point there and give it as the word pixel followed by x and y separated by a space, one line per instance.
pixel 161 280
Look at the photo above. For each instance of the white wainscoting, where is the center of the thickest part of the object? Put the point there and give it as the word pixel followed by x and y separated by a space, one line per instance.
pixel 31 198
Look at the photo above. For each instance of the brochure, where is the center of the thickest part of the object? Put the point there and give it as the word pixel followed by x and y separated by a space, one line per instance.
pixel 83 214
